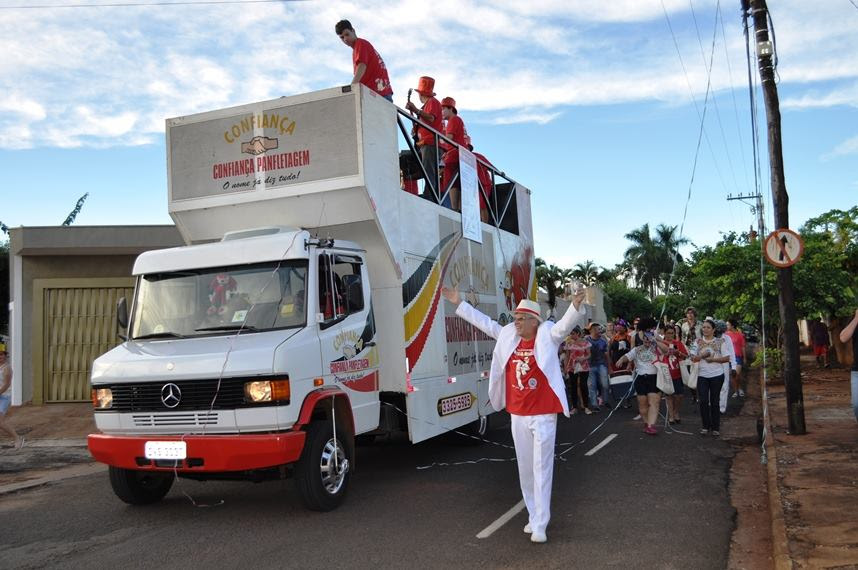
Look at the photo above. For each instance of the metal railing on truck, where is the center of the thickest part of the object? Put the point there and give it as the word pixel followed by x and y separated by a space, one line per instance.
pixel 499 197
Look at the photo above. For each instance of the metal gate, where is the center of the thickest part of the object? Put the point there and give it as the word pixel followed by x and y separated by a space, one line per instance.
pixel 79 325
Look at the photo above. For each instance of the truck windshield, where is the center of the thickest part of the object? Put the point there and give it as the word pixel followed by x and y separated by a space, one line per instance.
pixel 221 300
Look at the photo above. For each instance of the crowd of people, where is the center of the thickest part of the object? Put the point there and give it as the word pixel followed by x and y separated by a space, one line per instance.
pixel 708 351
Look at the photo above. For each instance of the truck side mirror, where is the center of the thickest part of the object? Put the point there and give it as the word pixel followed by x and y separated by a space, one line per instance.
pixel 122 315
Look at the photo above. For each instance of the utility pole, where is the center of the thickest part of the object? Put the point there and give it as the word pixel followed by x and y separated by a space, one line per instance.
pixel 780 198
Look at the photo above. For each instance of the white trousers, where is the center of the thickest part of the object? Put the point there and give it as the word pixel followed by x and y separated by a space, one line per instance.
pixel 534 452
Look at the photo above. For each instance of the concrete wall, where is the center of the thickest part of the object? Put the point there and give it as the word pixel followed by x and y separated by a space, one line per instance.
pixel 66 252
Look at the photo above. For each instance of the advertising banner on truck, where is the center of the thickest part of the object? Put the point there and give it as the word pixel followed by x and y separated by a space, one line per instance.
pixel 471 227
pixel 263 147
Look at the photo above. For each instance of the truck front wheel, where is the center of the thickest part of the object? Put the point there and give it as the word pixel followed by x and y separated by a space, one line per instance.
pixel 322 474
pixel 140 487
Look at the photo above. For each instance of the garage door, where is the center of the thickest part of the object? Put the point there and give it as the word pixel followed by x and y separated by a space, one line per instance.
pixel 79 325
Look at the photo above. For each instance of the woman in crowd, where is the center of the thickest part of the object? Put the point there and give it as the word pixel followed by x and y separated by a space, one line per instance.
pixel 644 357
pixel 738 339
pixel 711 353
pixel 672 353
pixel 619 345
pixel 577 370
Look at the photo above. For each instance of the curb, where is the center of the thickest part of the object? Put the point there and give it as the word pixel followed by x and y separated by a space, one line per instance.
pixel 56 475
pixel 780 541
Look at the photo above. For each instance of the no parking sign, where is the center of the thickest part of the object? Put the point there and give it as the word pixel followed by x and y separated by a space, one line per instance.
pixel 783 248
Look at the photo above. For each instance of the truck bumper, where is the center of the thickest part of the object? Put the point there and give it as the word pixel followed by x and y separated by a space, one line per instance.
pixel 206 453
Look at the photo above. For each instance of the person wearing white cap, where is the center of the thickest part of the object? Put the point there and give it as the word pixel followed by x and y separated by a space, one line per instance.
pixel 525 379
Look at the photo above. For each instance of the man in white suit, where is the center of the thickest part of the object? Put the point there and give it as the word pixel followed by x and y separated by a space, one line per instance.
pixel 525 379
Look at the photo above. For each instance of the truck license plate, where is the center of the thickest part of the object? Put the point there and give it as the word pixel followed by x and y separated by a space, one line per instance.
pixel 166 450
pixel 457 403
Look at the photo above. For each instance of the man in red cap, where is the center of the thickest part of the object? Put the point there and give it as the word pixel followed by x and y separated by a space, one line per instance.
pixel 525 379
pixel 456 131
pixel 368 65
pixel 429 113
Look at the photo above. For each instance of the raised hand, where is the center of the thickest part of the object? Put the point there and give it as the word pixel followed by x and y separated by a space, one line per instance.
pixel 451 295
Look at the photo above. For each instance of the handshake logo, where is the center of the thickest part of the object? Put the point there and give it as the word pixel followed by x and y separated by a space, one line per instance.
pixel 258 145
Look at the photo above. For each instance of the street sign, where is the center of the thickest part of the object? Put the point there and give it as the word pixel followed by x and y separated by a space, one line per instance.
pixel 783 248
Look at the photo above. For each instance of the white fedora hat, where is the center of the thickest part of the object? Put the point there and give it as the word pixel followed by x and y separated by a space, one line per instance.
pixel 529 307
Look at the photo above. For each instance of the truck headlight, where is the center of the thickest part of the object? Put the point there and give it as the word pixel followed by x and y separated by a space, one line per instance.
pixel 102 398
pixel 267 390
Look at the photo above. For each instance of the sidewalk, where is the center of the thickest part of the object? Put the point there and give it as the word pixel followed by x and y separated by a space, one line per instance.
pixel 817 473
pixel 55 446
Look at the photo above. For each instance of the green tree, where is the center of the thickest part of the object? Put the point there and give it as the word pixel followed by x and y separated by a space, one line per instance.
pixel 642 258
pixel 550 278
pixel 587 272
pixel 626 302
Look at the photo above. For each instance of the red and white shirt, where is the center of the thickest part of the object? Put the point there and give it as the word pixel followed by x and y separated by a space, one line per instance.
pixel 375 77
pixel 673 360
pixel 527 390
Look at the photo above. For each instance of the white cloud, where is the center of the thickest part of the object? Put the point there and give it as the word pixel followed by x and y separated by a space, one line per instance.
pixel 847 147
pixel 815 98
pixel 133 67
pixel 538 118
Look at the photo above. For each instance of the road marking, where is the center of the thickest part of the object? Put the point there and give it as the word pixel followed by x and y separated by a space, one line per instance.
pixel 505 518
pixel 605 442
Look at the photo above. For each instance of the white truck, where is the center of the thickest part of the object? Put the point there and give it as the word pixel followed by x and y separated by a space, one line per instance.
pixel 305 310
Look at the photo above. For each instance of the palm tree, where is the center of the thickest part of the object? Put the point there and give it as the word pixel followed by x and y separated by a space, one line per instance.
pixel 643 258
pixel 587 272
pixel 668 244
pixel 550 278
pixel 651 258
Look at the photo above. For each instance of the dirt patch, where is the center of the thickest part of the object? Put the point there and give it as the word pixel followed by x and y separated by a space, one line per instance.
pixel 818 472
pixel 54 421
pixel 751 543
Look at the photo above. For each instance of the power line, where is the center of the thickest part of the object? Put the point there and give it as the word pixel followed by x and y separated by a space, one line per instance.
pixel 699 140
pixel 693 98
pixel 735 102
pixel 715 99
pixel 145 4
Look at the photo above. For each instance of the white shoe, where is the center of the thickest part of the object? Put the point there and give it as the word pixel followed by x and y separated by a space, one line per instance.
pixel 527 528
pixel 637 417
pixel 735 395
pixel 538 537
pixel 741 393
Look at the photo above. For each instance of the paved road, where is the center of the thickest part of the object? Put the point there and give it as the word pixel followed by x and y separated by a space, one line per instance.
pixel 640 501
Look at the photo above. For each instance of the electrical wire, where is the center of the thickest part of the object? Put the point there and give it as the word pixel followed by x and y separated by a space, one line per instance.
pixel 696 151
pixel 733 96
pixel 144 4
pixel 715 99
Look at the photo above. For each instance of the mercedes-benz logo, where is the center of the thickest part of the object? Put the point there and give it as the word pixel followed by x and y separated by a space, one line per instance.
pixel 171 395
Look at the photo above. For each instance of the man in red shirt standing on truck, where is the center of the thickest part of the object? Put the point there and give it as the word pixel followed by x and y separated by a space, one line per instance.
pixel 368 65
pixel 525 379
pixel 455 131
pixel 430 114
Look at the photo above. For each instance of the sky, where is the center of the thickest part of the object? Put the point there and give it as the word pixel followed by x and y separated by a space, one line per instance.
pixel 595 106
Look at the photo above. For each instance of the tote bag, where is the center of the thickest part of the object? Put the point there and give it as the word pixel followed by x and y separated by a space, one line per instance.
pixel 663 380
pixel 689 372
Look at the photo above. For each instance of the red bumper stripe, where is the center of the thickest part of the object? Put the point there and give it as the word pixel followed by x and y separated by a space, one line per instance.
pixel 219 452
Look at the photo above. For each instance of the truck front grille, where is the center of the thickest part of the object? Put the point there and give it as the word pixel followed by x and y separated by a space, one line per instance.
pixel 194 395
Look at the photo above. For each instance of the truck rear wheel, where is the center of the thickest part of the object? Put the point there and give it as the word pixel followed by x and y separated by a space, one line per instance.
pixel 322 474
pixel 140 487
